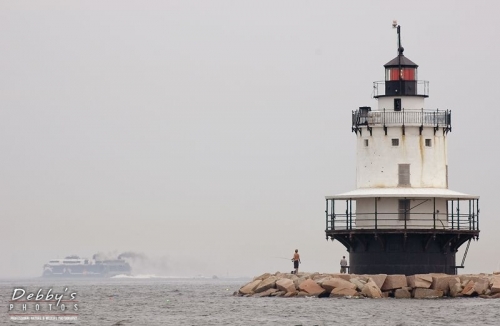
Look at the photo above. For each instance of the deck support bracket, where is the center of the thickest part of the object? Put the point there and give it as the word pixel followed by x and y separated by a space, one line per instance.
pixel 428 242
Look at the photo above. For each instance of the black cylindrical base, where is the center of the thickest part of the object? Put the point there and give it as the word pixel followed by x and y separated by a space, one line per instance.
pixel 395 254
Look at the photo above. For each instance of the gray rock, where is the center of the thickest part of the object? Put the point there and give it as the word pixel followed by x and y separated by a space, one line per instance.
pixel 285 285
pixel 345 277
pixel 310 287
pixel 266 293
pixel 455 289
pixel 402 294
pixel 322 279
pixel 249 287
pixel 481 286
pixel 420 293
pixel 333 283
pixel 379 279
pixel 495 284
pixel 371 290
pixel 419 281
pixel 344 292
pixel 442 282
pixel 393 282
pixel 265 284
pixel 359 283
pixel 469 288
pixel 262 277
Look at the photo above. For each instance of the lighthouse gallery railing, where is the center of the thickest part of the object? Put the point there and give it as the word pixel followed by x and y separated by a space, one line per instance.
pixel 461 215
pixel 436 118
pixel 422 88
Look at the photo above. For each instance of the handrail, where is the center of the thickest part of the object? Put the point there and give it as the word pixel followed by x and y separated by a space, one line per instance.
pixel 465 220
pixel 439 118
pixel 351 224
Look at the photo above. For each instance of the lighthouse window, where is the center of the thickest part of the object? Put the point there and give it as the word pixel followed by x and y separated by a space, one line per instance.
pixel 428 142
pixel 395 142
pixel 366 142
pixel 404 209
pixel 404 175
pixel 408 74
pixel 392 74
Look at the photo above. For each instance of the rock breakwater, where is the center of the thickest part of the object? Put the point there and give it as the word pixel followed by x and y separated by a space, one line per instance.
pixel 420 286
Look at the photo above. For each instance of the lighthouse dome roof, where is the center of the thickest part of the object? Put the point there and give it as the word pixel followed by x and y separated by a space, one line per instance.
pixel 404 62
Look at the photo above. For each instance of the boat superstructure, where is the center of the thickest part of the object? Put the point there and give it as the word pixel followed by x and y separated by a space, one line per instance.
pixel 72 266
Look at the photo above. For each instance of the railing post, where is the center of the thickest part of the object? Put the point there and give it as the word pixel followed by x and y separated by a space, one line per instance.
pixel 469 216
pixel 452 220
pixel 473 214
pixel 458 214
pixel 333 214
pixel 447 119
pixel 477 207
pixel 405 211
pixel 326 212
pixel 350 213
pixel 347 214
pixel 434 213
pixel 376 213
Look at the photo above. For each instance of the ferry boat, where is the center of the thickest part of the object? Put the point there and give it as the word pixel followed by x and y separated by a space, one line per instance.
pixel 74 266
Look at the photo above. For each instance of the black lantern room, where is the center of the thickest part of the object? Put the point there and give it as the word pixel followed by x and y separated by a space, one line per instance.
pixel 401 76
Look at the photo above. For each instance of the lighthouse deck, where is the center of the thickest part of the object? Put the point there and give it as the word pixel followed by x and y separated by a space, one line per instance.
pixel 385 118
pixel 402 210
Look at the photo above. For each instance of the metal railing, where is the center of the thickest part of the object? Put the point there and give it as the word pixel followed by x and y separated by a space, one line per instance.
pixel 435 118
pixel 456 218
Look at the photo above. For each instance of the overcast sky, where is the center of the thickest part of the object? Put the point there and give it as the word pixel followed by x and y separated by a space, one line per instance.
pixel 206 134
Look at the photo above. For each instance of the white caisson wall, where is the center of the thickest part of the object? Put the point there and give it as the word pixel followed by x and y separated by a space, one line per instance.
pixel 378 158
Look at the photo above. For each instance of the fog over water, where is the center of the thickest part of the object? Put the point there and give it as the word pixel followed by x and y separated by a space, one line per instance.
pixel 204 135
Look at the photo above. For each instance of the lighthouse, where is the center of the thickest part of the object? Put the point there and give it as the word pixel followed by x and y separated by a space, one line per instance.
pixel 402 218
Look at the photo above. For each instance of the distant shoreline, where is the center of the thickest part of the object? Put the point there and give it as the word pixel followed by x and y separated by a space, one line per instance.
pixel 120 277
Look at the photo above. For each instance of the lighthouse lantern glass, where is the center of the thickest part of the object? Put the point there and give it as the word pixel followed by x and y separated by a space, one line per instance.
pixel 392 74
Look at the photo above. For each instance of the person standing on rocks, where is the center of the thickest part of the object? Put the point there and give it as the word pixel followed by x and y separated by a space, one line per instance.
pixel 296 261
pixel 343 265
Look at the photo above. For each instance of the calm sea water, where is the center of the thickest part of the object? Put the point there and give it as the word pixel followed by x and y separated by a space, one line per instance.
pixel 211 302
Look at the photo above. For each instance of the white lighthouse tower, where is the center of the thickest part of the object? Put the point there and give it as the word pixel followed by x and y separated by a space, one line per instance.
pixel 402 218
